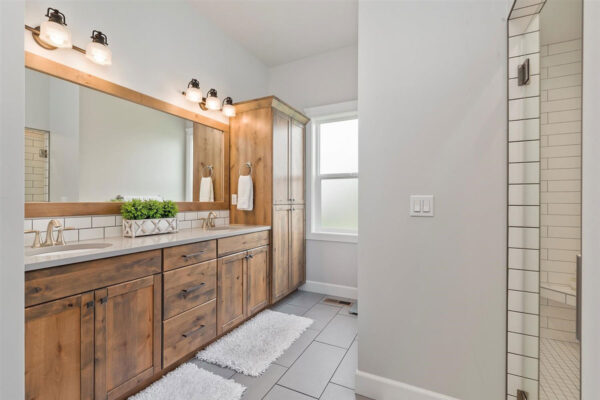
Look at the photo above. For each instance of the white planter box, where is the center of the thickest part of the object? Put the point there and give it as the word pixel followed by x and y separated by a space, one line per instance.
pixel 144 227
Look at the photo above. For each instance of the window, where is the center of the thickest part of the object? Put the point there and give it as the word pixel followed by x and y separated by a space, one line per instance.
pixel 335 176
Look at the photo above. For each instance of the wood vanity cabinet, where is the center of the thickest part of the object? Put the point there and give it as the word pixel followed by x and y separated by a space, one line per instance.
pixel 242 279
pixel 270 135
pixel 59 349
pixel 92 329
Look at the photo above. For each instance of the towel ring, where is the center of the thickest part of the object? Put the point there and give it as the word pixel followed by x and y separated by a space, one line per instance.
pixel 210 170
pixel 248 165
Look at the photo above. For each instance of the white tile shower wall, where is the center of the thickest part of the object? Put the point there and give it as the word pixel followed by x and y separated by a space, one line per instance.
pixel 105 226
pixel 561 82
pixel 36 165
pixel 524 161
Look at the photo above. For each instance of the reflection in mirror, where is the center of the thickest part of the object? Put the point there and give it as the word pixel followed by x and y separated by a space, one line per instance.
pixel 83 145
pixel 560 312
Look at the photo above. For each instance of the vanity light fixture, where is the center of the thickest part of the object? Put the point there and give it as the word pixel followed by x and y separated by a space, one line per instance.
pixel 228 108
pixel 193 92
pixel 54 34
pixel 211 101
pixel 97 50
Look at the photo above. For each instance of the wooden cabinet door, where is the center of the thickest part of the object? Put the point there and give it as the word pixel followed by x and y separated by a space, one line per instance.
pixel 230 291
pixel 128 336
pixel 281 169
pixel 258 286
pixel 297 163
pixel 297 247
pixel 59 349
pixel 281 254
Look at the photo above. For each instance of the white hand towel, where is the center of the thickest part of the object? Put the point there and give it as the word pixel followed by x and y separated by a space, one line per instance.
pixel 206 189
pixel 245 193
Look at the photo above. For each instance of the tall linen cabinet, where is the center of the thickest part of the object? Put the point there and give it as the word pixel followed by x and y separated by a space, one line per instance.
pixel 267 140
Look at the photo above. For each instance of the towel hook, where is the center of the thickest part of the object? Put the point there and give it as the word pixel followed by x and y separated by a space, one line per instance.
pixel 210 170
pixel 246 164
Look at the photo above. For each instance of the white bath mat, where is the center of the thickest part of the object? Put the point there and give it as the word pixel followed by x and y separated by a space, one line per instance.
pixel 188 382
pixel 252 347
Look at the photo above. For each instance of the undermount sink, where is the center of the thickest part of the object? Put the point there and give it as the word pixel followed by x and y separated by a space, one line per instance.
pixel 66 249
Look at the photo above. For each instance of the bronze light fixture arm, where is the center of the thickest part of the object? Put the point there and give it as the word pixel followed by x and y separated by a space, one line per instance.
pixel 35 32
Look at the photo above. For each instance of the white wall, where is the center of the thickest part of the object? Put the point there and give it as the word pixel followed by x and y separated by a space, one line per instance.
pixel 12 120
pixel 432 106
pixel 158 46
pixel 330 78
pixel 590 346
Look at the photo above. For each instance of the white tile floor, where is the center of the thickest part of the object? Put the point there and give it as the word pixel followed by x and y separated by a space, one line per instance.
pixel 559 370
pixel 319 365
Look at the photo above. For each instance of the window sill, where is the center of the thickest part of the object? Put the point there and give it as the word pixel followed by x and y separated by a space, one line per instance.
pixel 333 237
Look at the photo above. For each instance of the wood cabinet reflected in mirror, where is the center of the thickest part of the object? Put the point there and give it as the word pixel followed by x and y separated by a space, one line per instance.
pixel 101 144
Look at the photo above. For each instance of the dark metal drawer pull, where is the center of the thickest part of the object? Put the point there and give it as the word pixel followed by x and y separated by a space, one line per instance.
pixel 190 333
pixel 194 254
pixel 193 288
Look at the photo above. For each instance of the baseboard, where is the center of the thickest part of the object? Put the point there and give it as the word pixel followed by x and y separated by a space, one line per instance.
pixel 331 289
pixel 380 388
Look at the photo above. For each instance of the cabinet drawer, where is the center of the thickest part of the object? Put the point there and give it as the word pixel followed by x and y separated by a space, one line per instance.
pixel 188 287
pixel 187 332
pixel 180 256
pixel 53 283
pixel 239 243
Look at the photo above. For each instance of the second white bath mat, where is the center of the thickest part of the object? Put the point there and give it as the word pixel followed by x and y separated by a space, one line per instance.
pixel 252 347
pixel 188 382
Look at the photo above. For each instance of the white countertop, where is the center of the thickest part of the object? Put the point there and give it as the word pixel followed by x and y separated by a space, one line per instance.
pixel 120 245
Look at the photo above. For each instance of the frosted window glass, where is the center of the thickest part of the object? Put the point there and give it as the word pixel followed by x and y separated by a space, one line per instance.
pixel 339 147
pixel 339 204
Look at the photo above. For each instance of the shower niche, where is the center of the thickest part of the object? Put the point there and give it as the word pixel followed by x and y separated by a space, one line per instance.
pixel 544 199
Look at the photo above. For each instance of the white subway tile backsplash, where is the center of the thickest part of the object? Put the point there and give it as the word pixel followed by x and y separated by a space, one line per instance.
pixel 523 344
pixel 27 224
pixel 92 233
pixel 564 139
pixel 184 224
pixel 524 44
pixel 102 221
pixel 524 195
pixel 528 129
pixel 191 215
pixel 78 222
pixel 564 93
pixel 42 224
pixel 524 151
pixel 118 220
pixel 565 69
pixel 523 302
pixel 113 231
pixel 564 116
pixel 561 105
pixel 561 82
pixel 561 58
pixel 71 236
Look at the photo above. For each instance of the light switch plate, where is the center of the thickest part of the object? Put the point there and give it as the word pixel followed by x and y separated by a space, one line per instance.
pixel 421 206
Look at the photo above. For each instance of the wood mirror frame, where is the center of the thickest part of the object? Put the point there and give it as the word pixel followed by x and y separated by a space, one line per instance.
pixel 54 209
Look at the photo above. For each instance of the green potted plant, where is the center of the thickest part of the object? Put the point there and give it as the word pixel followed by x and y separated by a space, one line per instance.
pixel 148 217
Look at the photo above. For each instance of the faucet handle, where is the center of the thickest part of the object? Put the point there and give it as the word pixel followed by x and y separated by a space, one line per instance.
pixel 36 239
pixel 60 240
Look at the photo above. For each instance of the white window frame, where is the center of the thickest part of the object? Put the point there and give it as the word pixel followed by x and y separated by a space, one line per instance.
pixel 320 115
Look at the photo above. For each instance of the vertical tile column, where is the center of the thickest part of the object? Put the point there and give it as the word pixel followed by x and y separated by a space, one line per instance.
pixel 523 202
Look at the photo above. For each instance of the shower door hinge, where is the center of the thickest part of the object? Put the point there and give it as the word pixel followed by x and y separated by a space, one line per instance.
pixel 521 395
pixel 523 73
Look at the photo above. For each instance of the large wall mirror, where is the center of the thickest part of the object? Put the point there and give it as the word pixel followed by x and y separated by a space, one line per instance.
pixel 84 146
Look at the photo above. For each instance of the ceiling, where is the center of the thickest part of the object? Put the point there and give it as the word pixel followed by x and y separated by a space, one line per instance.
pixel 281 31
